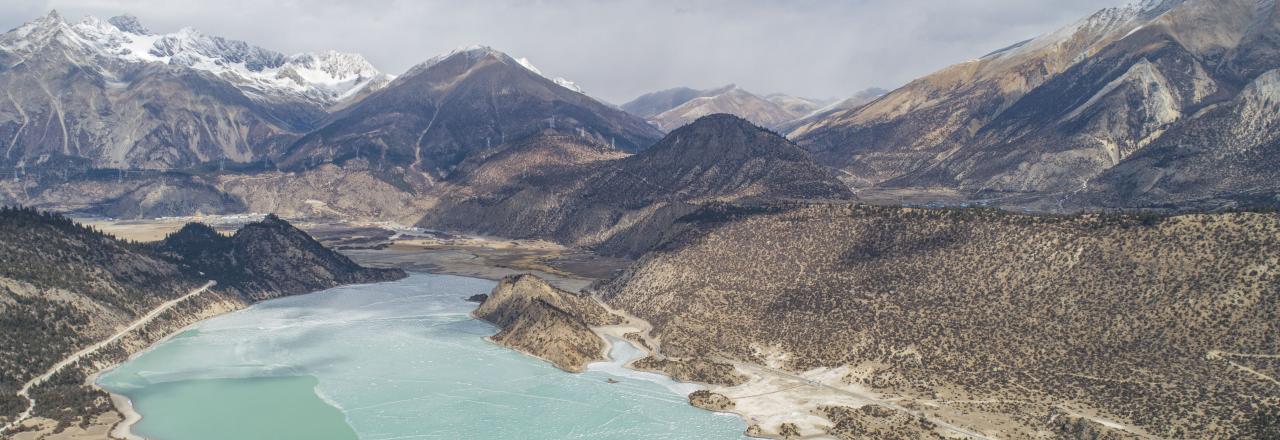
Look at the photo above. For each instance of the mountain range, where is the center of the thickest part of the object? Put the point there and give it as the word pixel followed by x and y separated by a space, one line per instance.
pixel 1161 104
pixel 594 197
pixel 111 94
pixel 444 110
pixel 757 260
pixel 672 108
pixel 1155 104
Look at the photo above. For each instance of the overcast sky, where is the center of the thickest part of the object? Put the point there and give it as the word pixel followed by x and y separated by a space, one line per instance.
pixel 619 49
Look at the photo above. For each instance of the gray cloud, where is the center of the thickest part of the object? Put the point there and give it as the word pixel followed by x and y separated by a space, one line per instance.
pixel 617 49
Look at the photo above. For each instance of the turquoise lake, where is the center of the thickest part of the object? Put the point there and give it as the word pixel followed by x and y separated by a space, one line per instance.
pixel 399 360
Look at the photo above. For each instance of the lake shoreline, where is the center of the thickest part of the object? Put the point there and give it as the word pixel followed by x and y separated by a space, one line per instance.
pixel 124 429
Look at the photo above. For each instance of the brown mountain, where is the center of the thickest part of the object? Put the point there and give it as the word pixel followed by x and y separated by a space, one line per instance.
pixel 671 109
pixel 622 206
pixel 546 322
pixel 1129 107
pixel 441 112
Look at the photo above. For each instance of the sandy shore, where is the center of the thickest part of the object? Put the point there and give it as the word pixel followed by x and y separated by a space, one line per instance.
pixel 122 430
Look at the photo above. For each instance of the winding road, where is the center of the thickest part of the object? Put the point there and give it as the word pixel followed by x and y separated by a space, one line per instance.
pixel 25 392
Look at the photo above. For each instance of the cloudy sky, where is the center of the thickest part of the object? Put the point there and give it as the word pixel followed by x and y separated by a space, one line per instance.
pixel 618 49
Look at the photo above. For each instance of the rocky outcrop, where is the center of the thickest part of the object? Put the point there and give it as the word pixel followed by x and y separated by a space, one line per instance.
pixel 693 370
pixel 710 401
pixel 543 321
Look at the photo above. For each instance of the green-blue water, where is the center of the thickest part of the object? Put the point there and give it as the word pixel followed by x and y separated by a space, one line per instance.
pixel 397 360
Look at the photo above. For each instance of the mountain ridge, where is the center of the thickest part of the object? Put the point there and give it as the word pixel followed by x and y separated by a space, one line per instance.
pixel 1042 119
pixel 624 205
pixel 672 108
pixel 443 110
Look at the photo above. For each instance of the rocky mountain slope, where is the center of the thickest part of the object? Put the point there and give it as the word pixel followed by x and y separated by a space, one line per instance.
pixel 441 112
pixel 864 97
pixel 546 322
pixel 1006 324
pixel 111 94
pixel 674 108
pixel 622 206
pixel 1127 107
pixel 655 103
pixel 64 286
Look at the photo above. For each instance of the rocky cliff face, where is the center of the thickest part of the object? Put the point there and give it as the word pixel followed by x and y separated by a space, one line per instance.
pixel 1049 117
pixel 623 206
pixel 546 322
pixel 1105 311
pixel 64 287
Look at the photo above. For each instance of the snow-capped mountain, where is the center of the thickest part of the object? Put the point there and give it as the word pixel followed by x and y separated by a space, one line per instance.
pixel 1126 107
pixel 111 93
pixel 455 105
pixel 326 77
pixel 477 51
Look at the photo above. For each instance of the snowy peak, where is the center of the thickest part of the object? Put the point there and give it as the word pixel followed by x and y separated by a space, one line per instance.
pixel 476 53
pixel 33 34
pixel 558 80
pixel 189 47
pixel 323 77
pixel 336 65
pixel 1102 27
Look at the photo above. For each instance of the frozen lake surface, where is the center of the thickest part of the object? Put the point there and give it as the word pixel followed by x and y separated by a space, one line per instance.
pixel 399 360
